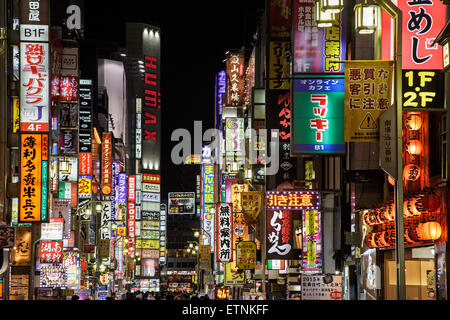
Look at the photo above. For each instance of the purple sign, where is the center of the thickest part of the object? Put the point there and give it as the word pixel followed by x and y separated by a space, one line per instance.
pixel 316 50
pixel 122 197
pixel 221 90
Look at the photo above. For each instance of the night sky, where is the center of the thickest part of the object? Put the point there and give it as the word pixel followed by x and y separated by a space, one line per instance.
pixel 194 37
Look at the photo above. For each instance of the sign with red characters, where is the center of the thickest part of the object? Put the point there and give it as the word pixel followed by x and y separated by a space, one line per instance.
pixel 68 89
pixel 51 252
pixel 85 164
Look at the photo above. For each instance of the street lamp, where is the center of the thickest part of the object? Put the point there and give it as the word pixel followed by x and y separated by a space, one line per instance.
pixel 366 17
pixel 332 6
pixel 323 19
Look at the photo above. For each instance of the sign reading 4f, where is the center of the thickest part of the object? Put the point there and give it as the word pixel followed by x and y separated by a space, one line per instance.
pixel 423 89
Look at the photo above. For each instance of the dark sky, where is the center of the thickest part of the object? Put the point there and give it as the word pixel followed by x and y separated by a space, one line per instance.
pixel 194 37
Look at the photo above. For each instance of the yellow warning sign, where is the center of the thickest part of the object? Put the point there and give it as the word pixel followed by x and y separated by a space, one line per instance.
pixel 368 123
pixel 368 91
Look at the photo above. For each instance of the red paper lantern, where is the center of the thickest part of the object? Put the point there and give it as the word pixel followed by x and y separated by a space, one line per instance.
pixel 411 172
pixel 429 230
pixel 413 122
pixel 414 147
pixel 431 202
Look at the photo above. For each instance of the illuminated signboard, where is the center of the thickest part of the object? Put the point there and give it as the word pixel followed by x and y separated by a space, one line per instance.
pixel 246 255
pixel 318 116
pixel 235 78
pixel 422 22
pixel 85 165
pixel 315 288
pixel 279 66
pixel 234 136
pixel 68 89
pixel 224 232
pixel 279 235
pixel 181 202
pixel 221 90
pixel 222 293
pixel 132 188
pixel 105 220
pixel 151 178
pixel 423 89
pixel 106 163
pixel 131 228
pixel 316 50
pixel 312 242
pixel 51 252
pixel 368 94
pixel 84 186
pixel 207 202
pixel 293 200
pixel 122 188
pixel 85 116
pixel 52 230
pixel 33 170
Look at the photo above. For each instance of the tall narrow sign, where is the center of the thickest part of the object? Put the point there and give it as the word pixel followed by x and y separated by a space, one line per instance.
pixel 224 232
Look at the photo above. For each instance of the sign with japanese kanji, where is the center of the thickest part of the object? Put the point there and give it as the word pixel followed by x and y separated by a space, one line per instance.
pixel 6 237
pixel 84 187
pixel 293 200
pixel 312 242
pixel 68 89
pixel 224 232
pixel 181 202
pixel 423 89
pixel 251 202
pixel 31 167
pixel 234 136
pixel 235 78
pixel 368 92
pixel 318 116
pixel 279 236
pixel 280 65
pixel 422 22
pixel 34 87
pixel 106 163
pixel 315 288
pixel 316 50
pixel 246 255
pixel 105 220
pixel 51 252
pixel 85 165
pixel 388 142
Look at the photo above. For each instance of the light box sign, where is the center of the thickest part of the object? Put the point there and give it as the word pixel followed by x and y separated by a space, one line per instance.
pixel 316 50
pixel 293 200
pixel 318 115
pixel 131 228
pixel 279 66
pixel 224 232
pixel 106 163
pixel 181 202
pixel 33 168
pixel 51 252
pixel 122 188
pixel 315 288
pixel 61 209
pixel 246 255
pixel 68 89
pixel 106 220
pixel 312 242
pixel 34 87
pixel 422 22
pixel 423 89
pixel 85 166
pixel 234 136
pixel 280 236
pixel 132 188
pixel 52 230
pixel 84 187
pixel 235 78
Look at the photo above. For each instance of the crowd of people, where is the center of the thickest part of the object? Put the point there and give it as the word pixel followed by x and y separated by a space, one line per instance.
pixel 139 295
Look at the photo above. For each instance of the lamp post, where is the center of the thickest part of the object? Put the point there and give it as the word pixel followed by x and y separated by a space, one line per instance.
pixel 396 15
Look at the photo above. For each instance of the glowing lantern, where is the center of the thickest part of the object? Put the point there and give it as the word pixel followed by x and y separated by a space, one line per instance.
pixel 406 212
pixel 391 181
pixel 411 172
pixel 413 206
pixel 429 230
pixel 431 202
pixel 414 122
pixel 414 147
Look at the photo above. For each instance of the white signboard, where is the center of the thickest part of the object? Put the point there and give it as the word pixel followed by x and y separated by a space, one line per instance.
pixel 33 32
pixel 151 187
pixel 151 197
pixel 315 288
pixel 106 220
pixel 52 230
pixel 34 87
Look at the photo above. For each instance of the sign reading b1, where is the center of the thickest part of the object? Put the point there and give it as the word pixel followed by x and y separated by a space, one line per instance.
pixel 33 32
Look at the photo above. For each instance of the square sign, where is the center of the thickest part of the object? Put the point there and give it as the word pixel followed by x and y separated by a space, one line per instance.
pixel 318 115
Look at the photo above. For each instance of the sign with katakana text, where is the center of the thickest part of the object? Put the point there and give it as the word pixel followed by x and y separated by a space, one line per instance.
pixel 279 66
pixel 293 200
pixel 106 163
pixel 368 91
pixel 31 169
pixel 224 232
pixel 34 87
pixel 423 89
pixel 318 116
pixel 68 89
pixel 51 252
pixel 312 242
pixel 84 187
pixel 316 50
pixel 422 22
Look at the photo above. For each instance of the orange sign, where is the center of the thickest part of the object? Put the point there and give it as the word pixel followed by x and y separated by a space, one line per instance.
pixel 30 177
pixel 222 293
pixel 293 200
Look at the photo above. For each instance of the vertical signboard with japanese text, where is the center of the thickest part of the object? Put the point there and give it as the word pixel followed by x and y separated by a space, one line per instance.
pixel 423 89
pixel 208 202
pixel 316 50
pixel 224 232
pixel 221 90
pixel 34 66
pixel 422 22
pixel 33 178
pixel 106 163
pixel 318 115
pixel 235 78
